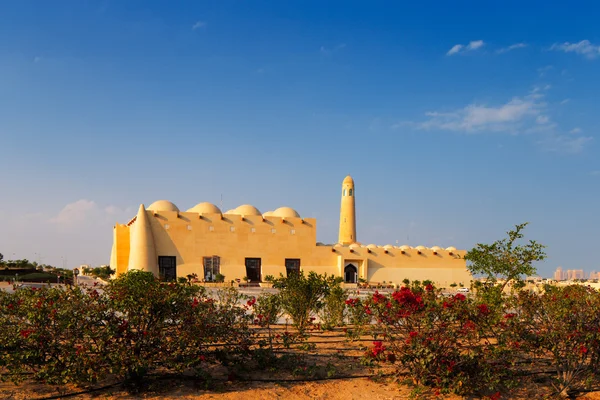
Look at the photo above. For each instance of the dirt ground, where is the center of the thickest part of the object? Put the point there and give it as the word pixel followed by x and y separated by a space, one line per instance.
pixel 328 369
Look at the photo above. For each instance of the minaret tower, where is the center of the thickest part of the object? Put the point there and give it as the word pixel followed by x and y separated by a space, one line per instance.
pixel 347 213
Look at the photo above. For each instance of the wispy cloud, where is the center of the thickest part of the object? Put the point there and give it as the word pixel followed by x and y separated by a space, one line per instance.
pixel 564 144
pixel 544 70
pixel 511 47
pixel 476 117
pixel 575 131
pixel 584 48
pixel 595 173
pixel 461 48
pixel 198 25
pixel 83 212
pixel 527 115
pixel 330 50
pixel 565 101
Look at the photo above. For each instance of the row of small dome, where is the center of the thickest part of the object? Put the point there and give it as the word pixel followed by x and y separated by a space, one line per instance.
pixel 209 208
pixel 403 247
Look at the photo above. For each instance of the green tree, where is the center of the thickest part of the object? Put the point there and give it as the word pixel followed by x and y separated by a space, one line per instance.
pixel 505 259
pixel 302 296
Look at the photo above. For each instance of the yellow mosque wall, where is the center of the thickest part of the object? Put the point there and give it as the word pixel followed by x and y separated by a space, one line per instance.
pixel 271 237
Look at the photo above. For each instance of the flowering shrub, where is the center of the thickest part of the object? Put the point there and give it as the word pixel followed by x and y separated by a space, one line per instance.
pixel 563 326
pixel 445 343
pixel 132 326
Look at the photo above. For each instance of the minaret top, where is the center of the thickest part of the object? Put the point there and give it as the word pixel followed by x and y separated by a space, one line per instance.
pixel 348 180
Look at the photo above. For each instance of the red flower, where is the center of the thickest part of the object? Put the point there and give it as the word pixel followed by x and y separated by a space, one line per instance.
pixel 413 334
pixel 26 332
pixel 377 297
pixel 483 309
pixel 429 287
pixel 583 349
pixel 459 297
pixel 509 315
pixel 251 302
pixel 446 304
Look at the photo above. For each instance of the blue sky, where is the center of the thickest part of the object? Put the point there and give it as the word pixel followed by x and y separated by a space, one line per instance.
pixel 457 120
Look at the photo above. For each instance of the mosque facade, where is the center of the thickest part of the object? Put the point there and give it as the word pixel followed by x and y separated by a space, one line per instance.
pixel 245 243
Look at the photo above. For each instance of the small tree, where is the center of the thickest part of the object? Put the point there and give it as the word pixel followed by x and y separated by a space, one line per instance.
pixel 302 296
pixel 504 259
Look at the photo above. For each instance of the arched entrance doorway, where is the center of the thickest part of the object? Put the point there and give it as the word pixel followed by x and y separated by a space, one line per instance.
pixel 350 274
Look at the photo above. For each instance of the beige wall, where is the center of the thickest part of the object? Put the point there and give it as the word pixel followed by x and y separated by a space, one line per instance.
pixel 190 236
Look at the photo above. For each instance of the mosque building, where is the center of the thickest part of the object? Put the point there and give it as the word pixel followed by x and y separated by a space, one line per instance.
pixel 245 243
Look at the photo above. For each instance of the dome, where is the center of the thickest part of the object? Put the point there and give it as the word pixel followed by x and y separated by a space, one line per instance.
pixel 246 209
pixel 162 205
pixel 354 246
pixel 436 248
pixel 420 248
pixel 268 214
pixel 371 246
pixel 405 247
pixel 205 208
pixel 388 247
pixel 232 211
pixel 348 180
pixel 450 248
pixel 286 212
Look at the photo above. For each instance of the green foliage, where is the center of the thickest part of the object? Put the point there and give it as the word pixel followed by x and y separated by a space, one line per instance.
pixel 269 278
pixel 134 326
pixel 333 312
pixel 104 272
pixel 219 278
pixel 505 259
pixel 302 296
pixel 564 324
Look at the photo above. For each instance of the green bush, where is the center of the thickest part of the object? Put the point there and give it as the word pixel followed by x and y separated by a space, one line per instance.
pixel 136 325
pixel 333 312
pixel 302 296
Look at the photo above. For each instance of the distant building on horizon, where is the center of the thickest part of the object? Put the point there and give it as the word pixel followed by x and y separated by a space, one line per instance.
pixel 572 274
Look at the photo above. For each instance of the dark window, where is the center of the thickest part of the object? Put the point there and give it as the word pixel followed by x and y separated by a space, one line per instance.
pixel 167 268
pixel 253 269
pixel 292 266
pixel 212 267
pixel 350 274
pixel 349 192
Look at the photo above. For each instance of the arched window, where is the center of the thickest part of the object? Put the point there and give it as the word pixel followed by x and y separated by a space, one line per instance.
pixel 349 192
pixel 344 192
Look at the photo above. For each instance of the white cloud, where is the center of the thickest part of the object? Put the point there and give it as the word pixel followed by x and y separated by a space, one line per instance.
pixel 575 131
pixel 511 47
pixel 478 117
pixel 584 48
pixel 544 70
pixel 455 49
pixel 595 173
pixel 87 213
pixel 328 51
pixel 565 101
pixel 542 119
pixel 37 59
pixel 564 144
pixel 198 25
pixel 526 115
pixel 459 48
pixel 75 213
